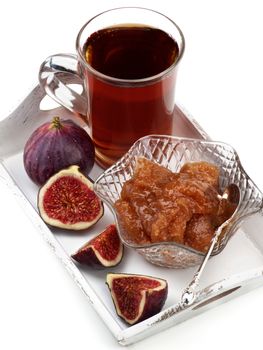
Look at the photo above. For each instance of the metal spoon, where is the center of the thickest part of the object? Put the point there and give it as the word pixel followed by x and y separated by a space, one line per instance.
pixel 232 195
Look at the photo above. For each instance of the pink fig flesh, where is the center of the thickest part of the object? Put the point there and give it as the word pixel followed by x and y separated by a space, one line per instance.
pixel 137 297
pixel 68 201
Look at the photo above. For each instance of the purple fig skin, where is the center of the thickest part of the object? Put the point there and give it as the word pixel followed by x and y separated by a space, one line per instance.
pixel 57 145
pixel 88 257
pixel 154 299
pixel 154 303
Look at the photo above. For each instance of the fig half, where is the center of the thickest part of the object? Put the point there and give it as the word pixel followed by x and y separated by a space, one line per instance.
pixel 137 297
pixel 105 250
pixel 68 201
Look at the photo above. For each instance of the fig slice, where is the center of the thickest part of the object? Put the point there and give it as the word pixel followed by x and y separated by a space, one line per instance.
pixel 68 201
pixel 105 250
pixel 136 297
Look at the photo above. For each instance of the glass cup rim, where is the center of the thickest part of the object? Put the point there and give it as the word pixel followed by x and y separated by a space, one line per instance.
pixel 119 81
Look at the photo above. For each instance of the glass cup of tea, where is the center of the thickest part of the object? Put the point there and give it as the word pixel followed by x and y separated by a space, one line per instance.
pixel 127 60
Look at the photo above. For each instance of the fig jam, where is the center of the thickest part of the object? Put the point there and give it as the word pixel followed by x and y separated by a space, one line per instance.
pixel 157 205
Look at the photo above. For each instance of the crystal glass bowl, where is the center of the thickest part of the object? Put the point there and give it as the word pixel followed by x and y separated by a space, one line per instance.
pixel 172 153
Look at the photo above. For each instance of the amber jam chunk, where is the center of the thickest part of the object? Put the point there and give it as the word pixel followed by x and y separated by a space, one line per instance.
pixel 157 205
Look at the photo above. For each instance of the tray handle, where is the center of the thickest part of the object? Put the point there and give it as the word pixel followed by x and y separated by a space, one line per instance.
pixel 209 297
pixel 226 289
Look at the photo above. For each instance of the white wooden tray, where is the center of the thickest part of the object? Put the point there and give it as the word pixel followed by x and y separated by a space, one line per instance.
pixel 239 268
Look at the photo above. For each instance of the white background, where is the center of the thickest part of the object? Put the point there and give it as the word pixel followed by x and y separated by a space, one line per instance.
pixel 220 83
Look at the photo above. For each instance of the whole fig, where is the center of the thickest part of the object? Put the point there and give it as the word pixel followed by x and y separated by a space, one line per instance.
pixel 57 145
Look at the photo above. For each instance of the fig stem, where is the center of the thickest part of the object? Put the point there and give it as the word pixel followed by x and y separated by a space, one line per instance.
pixel 56 123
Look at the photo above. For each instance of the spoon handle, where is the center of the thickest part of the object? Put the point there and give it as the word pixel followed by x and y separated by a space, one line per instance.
pixel 189 294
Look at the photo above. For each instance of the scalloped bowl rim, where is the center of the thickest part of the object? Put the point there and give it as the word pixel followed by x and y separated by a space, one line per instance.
pixel 116 167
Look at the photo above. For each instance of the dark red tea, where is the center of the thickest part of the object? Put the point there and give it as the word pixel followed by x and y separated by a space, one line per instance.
pixel 121 108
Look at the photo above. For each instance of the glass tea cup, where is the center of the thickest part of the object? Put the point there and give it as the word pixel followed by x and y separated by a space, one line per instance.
pixel 127 60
